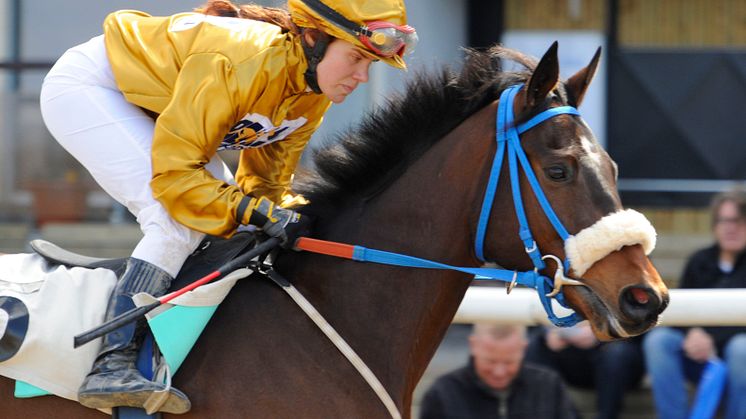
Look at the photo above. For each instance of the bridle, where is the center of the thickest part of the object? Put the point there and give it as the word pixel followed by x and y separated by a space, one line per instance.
pixel 508 140
pixel 507 136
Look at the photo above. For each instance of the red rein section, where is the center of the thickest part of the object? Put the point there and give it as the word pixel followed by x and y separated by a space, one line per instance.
pixel 325 248
pixel 304 243
pixel 168 297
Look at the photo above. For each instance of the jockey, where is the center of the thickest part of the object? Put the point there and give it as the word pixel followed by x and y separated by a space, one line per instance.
pixel 146 106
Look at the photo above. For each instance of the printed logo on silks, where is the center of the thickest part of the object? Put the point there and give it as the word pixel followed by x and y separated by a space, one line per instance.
pixel 255 130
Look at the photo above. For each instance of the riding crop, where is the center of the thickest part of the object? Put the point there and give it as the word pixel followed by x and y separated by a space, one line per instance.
pixel 135 313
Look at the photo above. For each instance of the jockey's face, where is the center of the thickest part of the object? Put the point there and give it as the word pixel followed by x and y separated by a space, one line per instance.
pixel 343 67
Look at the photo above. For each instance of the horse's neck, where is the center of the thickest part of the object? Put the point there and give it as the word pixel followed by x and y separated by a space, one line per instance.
pixel 395 317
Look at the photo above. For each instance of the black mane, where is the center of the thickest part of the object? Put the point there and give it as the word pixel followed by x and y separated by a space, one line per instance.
pixel 360 162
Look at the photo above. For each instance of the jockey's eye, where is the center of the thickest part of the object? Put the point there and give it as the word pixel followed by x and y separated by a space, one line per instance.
pixel 557 173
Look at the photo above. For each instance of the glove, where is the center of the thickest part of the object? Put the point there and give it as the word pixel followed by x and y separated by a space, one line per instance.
pixel 301 228
pixel 275 221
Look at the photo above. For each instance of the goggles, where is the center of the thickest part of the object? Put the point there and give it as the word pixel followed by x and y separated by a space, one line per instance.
pixel 387 39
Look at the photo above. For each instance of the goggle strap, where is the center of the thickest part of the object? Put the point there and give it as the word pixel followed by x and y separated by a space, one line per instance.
pixel 334 16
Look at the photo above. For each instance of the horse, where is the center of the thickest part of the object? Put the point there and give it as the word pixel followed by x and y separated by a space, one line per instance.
pixel 409 179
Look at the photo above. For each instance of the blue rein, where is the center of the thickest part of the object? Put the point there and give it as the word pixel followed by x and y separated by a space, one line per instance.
pixel 507 136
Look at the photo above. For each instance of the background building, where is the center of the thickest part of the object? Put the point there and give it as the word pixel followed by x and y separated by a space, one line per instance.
pixel 665 102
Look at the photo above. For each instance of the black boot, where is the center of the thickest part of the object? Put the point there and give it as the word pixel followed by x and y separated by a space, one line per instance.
pixel 114 379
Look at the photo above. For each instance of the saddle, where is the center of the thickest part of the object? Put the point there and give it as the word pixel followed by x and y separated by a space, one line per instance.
pixel 211 254
pixel 217 252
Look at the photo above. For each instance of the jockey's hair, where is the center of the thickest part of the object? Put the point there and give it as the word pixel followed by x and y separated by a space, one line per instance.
pixel 275 15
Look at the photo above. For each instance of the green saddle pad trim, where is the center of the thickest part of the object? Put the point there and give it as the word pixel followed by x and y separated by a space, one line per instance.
pixel 25 390
pixel 176 330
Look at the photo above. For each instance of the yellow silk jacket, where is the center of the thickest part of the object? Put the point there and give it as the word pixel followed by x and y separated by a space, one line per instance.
pixel 216 83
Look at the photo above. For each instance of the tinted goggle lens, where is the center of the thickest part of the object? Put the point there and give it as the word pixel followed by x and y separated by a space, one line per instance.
pixel 387 39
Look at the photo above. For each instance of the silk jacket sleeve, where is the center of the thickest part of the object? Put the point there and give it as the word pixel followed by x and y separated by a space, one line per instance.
pixel 186 136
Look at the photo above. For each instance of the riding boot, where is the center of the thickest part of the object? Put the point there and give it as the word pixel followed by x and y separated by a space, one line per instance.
pixel 114 379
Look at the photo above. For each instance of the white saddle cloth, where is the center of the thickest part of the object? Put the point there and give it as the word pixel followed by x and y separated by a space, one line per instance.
pixel 61 302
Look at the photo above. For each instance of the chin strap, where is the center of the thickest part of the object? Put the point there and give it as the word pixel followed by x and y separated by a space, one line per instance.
pixel 314 55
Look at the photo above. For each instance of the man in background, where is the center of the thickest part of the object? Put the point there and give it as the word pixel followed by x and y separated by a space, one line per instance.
pixel 496 383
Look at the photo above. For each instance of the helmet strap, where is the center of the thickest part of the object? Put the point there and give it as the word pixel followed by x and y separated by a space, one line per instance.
pixel 314 55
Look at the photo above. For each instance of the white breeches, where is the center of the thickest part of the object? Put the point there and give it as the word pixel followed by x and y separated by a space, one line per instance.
pixel 88 115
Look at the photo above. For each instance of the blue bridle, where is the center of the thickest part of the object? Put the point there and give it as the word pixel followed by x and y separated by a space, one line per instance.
pixel 507 135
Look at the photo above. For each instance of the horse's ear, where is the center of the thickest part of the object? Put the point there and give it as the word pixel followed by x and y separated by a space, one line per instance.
pixel 544 79
pixel 578 83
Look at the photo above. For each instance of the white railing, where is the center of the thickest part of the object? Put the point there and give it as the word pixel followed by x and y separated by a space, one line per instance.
pixel 688 307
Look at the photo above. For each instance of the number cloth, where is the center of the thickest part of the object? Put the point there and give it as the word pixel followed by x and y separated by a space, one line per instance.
pixel 62 302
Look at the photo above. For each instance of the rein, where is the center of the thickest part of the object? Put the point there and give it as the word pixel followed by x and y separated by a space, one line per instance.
pixel 507 136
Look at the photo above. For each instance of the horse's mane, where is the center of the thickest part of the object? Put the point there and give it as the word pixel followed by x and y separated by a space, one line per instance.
pixel 362 161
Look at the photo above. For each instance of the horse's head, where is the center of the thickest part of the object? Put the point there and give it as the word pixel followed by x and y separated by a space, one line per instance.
pixel 621 294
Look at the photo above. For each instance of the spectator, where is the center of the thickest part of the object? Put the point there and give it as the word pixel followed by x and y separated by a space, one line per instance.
pixel 675 355
pixel 610 368
pixel 497 383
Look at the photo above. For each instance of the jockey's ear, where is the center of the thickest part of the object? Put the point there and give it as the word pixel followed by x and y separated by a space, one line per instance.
pixel 544 79
pixel 578 83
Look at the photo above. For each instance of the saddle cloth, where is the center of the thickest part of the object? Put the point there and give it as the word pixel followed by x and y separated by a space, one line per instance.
pixel 43 307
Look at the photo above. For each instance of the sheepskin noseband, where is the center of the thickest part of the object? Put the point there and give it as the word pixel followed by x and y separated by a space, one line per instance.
pixel 610 233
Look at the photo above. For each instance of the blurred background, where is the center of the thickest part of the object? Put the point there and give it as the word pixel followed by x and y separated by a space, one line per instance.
pixel 666 103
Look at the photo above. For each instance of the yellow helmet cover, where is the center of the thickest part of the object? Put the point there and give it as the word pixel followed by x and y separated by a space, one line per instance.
pixel 358 11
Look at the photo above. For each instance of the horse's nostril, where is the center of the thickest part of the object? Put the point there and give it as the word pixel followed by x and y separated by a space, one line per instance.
pixel 639 295
pixel 640 304
pixel 636 297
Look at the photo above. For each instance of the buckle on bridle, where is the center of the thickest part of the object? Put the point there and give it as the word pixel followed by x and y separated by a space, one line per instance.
pixel 512 283
pixel 559 277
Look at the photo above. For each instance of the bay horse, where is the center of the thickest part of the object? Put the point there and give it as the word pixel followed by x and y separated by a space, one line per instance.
pixel 409 179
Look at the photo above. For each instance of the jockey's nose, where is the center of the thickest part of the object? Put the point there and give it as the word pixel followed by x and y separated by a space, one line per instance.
pixel 641 304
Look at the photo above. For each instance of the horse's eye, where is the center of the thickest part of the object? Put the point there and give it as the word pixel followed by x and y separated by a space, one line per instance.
pixel 557 173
